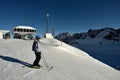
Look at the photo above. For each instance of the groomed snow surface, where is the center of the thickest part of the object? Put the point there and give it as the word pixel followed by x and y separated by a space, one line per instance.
pixel 69 63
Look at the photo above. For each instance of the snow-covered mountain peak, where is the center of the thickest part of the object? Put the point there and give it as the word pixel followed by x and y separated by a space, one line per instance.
pixel 105 32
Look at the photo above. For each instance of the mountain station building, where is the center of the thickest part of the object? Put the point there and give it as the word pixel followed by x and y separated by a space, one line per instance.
pixel 4 34
pixel 23 32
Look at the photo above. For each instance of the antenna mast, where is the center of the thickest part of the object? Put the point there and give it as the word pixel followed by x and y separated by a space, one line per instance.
pixel 53 30
pixel 47 15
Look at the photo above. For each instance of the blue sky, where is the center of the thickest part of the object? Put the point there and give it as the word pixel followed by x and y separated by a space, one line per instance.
pixel 65 15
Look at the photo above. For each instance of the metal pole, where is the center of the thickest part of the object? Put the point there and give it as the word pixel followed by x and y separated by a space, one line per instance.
pixel 46 63
pixel 47 15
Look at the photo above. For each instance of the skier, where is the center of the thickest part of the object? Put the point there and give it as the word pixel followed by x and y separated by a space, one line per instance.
pixel 37 49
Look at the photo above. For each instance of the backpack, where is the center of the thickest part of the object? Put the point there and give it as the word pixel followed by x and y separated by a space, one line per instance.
pixel 33 46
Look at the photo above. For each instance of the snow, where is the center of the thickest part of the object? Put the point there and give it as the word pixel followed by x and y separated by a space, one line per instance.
pixel 69 63
pixel 104 33
pixel 103 50
pixel 25 27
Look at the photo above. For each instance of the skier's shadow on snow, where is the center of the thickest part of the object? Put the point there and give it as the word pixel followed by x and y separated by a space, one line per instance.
pixel 14 60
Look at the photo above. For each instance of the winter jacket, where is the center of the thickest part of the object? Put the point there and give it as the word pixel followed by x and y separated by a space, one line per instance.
pixel 36 46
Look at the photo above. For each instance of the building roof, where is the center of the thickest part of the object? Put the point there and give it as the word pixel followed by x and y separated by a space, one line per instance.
pixel 4 31
pixel 25 27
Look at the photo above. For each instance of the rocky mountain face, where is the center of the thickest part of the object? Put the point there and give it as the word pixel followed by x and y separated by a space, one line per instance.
pixel 104 33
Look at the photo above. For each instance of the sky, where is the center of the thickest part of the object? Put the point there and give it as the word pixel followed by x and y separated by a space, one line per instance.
pixel 64 15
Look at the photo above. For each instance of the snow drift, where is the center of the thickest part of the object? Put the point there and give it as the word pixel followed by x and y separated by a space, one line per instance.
pixel 69 63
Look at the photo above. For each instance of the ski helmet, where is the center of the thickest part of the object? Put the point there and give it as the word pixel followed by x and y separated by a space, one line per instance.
pixel 37 37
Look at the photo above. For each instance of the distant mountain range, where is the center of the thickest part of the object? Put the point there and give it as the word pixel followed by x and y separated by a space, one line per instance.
pixel 104 33
pixel 102 44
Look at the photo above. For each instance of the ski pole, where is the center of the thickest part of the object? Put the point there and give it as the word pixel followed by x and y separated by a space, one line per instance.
pixel 46 63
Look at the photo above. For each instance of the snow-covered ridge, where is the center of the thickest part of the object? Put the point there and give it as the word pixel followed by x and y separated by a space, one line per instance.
pixel 105 33
pixel 70 49
pixel 69 63
pixel 63 46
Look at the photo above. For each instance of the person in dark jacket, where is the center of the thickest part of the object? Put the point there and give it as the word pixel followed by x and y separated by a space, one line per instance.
pixel 36 47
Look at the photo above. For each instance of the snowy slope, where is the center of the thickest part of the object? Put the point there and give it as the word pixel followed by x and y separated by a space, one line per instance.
pixel 69 63
pixel 106 51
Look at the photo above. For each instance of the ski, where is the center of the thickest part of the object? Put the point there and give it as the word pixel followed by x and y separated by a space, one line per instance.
pixel 36 67
pixel 31 66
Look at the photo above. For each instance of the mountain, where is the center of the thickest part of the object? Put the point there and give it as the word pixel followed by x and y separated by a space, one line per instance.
pixel 105 33
pixel 69 63
pixel 102 44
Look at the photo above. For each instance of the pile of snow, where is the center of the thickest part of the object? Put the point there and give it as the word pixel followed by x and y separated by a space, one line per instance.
pixel 69 63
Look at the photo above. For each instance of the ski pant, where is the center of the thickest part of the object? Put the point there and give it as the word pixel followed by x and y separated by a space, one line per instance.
pixel 38 57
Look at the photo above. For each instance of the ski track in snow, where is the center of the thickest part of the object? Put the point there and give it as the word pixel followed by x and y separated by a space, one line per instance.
pixel 28 73
pixel 7 67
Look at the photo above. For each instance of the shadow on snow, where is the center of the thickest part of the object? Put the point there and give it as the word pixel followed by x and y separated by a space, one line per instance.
pixel 14 60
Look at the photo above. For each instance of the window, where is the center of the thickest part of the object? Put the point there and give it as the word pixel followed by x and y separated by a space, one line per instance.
pixel 15 29
pixel 24 30
pixel 21 30
pixel 27 30
pixel 30 30
pixel 18 29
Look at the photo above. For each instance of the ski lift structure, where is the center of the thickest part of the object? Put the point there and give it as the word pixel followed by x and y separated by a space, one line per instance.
pixel 23 32
pixel 47 34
